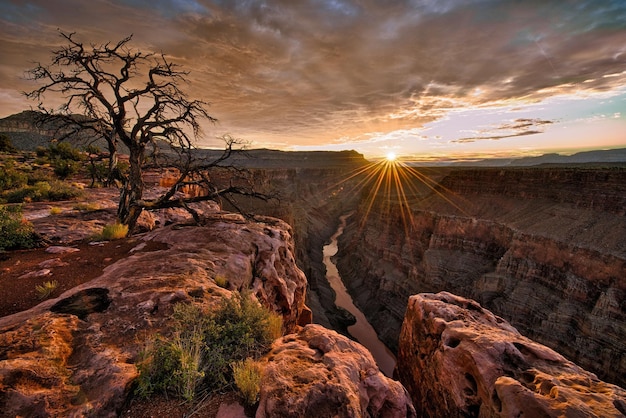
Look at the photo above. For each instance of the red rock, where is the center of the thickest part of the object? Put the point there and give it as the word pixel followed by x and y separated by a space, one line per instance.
pixel 458 359
pixel 320 373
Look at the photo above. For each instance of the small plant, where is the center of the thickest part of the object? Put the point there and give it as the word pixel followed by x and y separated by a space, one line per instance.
pixel 55 210
pixel 114 231
pixel 15 232
pixel 204 346
pixel 221 281
pixel 46 288
pixel 275 325
pixel 247 376
pixel 86 207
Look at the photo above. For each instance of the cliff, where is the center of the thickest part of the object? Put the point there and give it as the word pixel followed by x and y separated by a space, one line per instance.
pixel 319 373
pixel 543 248
pixel 459 360
pixel 75 355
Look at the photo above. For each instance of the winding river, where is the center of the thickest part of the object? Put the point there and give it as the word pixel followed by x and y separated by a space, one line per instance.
pixel 362 331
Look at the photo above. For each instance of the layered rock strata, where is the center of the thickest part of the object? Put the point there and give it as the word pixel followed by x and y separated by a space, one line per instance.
pixel 74 355
pixel 458 359
pixel 548 257
pixel 319 373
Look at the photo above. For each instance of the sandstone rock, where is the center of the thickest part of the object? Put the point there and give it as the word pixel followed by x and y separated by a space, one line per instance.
pixel 319 373
pixel 34 274
pixel 57 249
pixel 75 355
pixel 458 359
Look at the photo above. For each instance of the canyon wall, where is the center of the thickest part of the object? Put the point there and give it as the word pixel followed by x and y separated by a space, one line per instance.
pixel 543 248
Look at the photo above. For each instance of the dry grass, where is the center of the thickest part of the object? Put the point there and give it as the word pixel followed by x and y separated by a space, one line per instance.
pixel 247 375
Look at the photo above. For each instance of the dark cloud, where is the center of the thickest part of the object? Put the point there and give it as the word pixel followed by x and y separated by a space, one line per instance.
pixel 302 70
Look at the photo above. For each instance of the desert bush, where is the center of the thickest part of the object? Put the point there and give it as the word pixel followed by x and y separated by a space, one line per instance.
pixel 5 144
pixel 114 231
pixel 65 168
pixel 247 377
pixel 10 176
pixel 15 233
pixel 204 346
pixel 55 210
pixel 42 191
pixel 45 289
pixel 87 206
pixel 221 281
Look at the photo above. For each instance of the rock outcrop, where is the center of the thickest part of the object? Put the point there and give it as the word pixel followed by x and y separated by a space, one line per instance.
pixel 320 373
pixel 543 248
pixel 74 355
pixel 458 359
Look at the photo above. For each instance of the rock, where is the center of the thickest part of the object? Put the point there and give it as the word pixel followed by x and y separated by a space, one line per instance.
pixel 57 249
pixel 457 359
pixel 544 248
pixel 54 262
pixel 35 274
pixel 75 355
pixel 320 373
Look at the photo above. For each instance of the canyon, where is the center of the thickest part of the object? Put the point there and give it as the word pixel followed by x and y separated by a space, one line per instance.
pixel 545 248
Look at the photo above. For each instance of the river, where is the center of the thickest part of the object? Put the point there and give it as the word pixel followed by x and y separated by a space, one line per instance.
pixel 362 331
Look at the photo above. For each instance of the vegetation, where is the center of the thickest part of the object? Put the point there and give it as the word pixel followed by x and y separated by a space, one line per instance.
pixel 15 233
pixel 5 144
pixel 199 355
pixel 45 290
pixel 114 231
pixel 247 376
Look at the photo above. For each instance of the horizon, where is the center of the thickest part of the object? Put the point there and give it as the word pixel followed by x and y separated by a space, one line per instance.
pixel 511 80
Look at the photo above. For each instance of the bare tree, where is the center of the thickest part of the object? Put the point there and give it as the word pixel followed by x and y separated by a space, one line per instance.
pixel 134 98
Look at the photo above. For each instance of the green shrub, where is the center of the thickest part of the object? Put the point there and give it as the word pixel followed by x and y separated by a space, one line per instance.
pixel 204 346
pixel 42 191
pixel 10 176
pixel 15 233
pixel 46 288
pixel 114 231
pixel 5 144
pixel 247 377
pixel 55 210
pixel 65 168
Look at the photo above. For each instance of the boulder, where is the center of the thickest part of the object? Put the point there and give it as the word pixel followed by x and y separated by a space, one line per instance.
pixel 75 355
pixel 457 359
pixel 320 373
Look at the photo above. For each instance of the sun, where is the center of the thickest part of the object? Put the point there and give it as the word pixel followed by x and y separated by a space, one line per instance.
pixel 391 156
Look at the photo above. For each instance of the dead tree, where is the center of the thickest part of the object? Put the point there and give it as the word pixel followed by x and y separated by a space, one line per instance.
pixel 134 98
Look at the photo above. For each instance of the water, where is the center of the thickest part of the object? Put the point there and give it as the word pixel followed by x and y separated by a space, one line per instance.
pixel 362 331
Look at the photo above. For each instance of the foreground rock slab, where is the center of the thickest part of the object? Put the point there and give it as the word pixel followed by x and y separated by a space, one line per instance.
pixel 458 359
pixel 76 355
pixel 320 373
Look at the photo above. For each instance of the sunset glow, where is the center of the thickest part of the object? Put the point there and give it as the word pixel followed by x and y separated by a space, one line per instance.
pixel 429 79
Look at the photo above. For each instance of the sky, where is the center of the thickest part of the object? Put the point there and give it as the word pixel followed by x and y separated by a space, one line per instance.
pixel 425 79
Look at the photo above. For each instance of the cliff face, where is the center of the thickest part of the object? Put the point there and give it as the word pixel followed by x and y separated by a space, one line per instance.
pixel 458 359
pixel 75 355
pixel 543 248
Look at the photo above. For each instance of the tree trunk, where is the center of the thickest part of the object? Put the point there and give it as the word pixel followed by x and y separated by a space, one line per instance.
pixel 130 206
pixel 113 173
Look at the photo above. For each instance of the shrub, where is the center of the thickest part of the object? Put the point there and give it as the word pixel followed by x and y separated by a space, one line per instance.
pixel 87 207
pixel 15 233
pixel 5 144
pixel 55 210
pixel 247 377
pixel 45 290
pixel 221 281
pixel 65 168
pixel 11 177
pixel 114 231
pixel 42 190
pixel 204 346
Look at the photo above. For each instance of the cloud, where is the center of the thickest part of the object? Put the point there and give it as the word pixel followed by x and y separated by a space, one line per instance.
pixel 305 71
pixel 518 127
